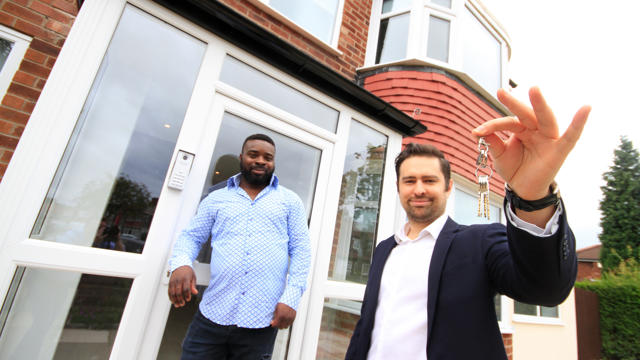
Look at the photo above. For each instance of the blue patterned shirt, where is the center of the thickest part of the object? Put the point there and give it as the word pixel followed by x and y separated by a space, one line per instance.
pixel 253 244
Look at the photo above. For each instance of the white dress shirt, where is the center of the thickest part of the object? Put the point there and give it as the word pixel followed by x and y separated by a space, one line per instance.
pixel 400 327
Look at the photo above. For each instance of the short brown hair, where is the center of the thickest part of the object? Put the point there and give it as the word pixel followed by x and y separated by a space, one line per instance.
pixel 427 150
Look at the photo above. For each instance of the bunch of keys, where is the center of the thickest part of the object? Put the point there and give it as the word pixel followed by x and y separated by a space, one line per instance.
pixel 483 180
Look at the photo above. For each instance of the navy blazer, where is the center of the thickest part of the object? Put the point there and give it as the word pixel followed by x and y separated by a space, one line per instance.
pixel 469 265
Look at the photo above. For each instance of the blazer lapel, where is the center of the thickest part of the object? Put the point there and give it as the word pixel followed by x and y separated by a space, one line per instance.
pixel 435 268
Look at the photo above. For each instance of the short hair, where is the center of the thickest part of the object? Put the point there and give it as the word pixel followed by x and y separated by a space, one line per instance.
pixel 262 137
pixel 427 150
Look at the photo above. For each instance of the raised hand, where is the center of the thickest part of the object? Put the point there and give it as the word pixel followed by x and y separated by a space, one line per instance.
pixel 532 156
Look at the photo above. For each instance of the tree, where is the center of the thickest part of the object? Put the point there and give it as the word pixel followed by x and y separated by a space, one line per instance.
pixel 620 207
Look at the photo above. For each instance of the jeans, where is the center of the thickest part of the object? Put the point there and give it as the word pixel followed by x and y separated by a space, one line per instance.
pixel 208 340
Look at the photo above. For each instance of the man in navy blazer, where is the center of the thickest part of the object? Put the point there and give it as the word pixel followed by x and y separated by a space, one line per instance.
pixel 431 286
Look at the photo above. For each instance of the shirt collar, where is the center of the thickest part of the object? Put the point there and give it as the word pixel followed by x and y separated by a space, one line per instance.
pixel 234 181
pixel 432 229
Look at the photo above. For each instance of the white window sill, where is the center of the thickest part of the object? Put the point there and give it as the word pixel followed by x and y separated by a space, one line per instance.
pixel 543 320
pixel 333 50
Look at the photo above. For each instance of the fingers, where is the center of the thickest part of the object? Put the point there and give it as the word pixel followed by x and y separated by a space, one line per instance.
pixel 508 123
pixel 522 111
pixel 182 285
pixel 547 124
pixel 283 316
pixel 573 132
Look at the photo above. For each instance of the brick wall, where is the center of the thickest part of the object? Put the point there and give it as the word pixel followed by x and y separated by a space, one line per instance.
pixel 447 108
pixel 507 339
pixel 48 22
pixel 352 41
pixel 588 270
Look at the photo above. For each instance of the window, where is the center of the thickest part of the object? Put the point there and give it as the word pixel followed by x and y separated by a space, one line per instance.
pixel 359 205
pixel 318 17
pixel 13 45
pixel 450 34
pixel 394 31
pixel 466 209
pixel 482 53
pixel 535 310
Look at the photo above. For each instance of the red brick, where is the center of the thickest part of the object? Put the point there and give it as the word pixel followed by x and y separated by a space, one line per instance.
pixel 24 91
pixel 13 115
pixel 8 142
pixel 6 127
pixel 58 27
pixel 50 62
pixel 40 83
pixel 35 69
pixel 6 19
pixel 35 56
pixel 45 47
pixel 24 78
pixel 13 101
pixel 6 156
pixel 68 6
pixel 28 106
pixel 30 29
pixel 52 13
pixel 18 130
pixel 21 2
pixel 3 169
pixel 23 13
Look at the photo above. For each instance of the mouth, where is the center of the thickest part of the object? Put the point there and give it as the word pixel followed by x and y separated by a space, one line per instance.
pixel 420 202
pixel 259 170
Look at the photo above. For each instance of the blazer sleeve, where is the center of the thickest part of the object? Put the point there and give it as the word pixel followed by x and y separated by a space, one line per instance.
pixel 532 269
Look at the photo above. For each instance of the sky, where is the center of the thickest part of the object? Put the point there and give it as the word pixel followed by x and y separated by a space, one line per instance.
pixel 579 52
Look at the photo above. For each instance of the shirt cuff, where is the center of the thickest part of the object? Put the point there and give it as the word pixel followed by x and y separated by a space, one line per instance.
pixel 291 297
pixel 550 228
pixel 178 261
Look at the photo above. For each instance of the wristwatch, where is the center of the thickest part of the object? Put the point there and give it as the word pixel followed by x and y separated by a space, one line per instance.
pixel 532 205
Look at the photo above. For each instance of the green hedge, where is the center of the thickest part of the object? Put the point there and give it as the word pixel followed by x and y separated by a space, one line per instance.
pixel 619 297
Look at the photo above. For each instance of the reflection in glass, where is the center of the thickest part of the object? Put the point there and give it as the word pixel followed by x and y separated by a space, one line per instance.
pixel 5 49
pixel 264 87
pixel 466 209
pixel 392 40
pixel 359 205
pixel 395 5
pixel 110 177
pixel 482 54
pixel 438 42
pixel 339 318
pixel 317 17
pixel 62 315
pixel 497 301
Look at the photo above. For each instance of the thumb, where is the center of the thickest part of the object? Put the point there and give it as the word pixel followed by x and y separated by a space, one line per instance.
pixel 194 290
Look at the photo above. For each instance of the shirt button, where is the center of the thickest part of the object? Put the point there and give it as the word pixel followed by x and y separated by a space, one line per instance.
pixel 243 293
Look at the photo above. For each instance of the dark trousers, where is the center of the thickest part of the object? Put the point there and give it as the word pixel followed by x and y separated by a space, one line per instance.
pixel 208 340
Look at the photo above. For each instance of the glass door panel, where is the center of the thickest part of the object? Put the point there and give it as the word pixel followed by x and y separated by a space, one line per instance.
pixel 107 185
pixel 297 166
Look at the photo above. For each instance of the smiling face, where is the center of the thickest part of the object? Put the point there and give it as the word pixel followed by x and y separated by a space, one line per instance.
pixel 422 189
pixel 257 162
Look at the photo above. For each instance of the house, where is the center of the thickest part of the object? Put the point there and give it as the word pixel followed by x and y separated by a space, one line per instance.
pixel 589 266
pixel 145 109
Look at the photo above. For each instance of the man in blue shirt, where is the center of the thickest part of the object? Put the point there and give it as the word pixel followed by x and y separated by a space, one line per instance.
pixel 260 257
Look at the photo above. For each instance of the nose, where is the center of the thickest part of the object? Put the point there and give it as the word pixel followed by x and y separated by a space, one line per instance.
pixel 419 189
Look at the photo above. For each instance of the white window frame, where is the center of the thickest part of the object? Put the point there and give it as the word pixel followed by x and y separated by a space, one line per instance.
pixel 416 54
pixel 20 45
pixel 331 46
pixel 537 319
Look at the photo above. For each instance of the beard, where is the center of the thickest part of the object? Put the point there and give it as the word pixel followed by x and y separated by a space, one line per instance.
pixel 253 179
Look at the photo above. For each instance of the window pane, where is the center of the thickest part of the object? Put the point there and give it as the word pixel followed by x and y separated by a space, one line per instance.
pixel 62 315
pixel 339 318
pixel 290 154
pixel 445 3
pixel 438 42
pixel 395 5
pixel 264 87
pixel 549 311
pixel 497 301
pixel 316 16
pixel 524 309
pixel 392 40
pixel 358 208
pixel 482 54
pixel 466 209
pixel 5 50
pixel 110 177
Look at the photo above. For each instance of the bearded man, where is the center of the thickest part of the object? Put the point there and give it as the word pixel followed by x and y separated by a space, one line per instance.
pixel 258 232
